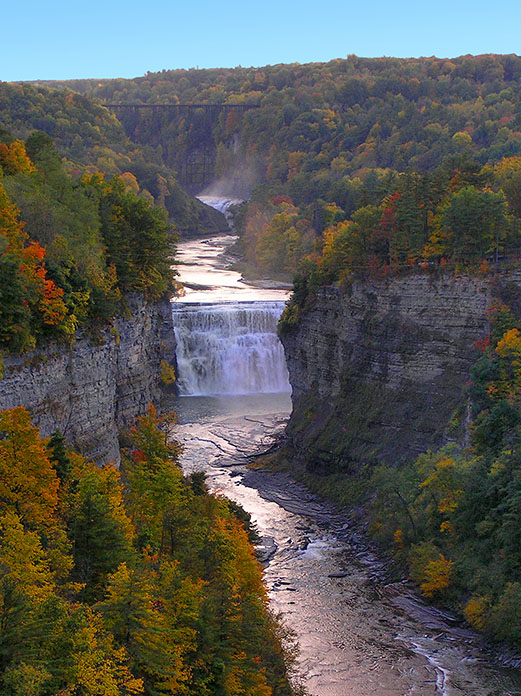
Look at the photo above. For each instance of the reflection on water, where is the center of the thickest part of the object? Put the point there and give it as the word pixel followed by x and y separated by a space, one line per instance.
pixel 358 635
pixel 203 272
pixel 204 409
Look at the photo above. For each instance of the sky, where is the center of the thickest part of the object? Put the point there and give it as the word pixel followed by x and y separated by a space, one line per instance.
pixel 112 38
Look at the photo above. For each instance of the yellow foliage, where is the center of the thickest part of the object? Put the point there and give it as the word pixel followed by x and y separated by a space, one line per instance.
pixel 14 159
pixel 242 680
pixel 508 166
pixel 476 611
pixel 442 480
pixel 510 344
pixel 446 527
pixel 462 138
pixel 437 575
pixel 450 502
pixel 509 348
pixel 130 182
pixel 101 669
pixel 399 539
pixel 492 390
pixel 10 226
pixel 28 481
pixel 167 373
pixel 23 559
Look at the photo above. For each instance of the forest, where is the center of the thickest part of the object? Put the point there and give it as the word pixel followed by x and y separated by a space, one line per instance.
pixel 72 247
pixel 112 582
pixel 90 140
pixel 459 217
pixel 332 138
pixel 453 516
pixel 125 582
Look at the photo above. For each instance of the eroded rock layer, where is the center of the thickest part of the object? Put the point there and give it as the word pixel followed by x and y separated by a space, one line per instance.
pixel 93 389
pixel 379 370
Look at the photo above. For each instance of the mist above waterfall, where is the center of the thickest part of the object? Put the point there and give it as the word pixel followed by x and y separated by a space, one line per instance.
pixel 229 348
pixel 241 178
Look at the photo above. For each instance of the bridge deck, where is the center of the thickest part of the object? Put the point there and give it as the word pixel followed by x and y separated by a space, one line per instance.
pixel 182 106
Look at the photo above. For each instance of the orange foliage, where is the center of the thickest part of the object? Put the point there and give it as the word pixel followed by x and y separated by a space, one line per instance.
pixel 33 253
pixel 399 539
pixel 31 256
pixel 51 304
pixel 10 226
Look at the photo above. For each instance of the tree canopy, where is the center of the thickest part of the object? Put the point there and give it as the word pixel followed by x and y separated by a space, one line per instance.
pixel 106 591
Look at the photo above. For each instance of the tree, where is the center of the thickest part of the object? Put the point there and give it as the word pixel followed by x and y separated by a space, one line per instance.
pixel 157 493
pixel 131 612
pixel 14 159
pixel 473 224
pixel 137 237
pixel 28 481
pixel 99 528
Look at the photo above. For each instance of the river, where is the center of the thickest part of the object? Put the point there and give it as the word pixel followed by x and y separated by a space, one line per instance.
pixel 359 635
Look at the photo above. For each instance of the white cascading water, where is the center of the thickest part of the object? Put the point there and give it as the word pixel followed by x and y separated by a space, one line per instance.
pixel 229 348
pixel 221 204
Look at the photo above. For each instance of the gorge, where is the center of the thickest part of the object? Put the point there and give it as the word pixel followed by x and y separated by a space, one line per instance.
pixel 379 369
pixel 389 191
pixel 359 631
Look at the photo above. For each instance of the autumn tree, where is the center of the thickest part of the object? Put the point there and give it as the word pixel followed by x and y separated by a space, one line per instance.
pixel 98 526
pixel 28 481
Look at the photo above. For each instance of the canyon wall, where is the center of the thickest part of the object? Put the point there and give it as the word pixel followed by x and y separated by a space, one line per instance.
pixel 92 389
pixel 379 370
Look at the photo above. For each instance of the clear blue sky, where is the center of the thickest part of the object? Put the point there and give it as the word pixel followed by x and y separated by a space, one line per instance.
pixel 60 40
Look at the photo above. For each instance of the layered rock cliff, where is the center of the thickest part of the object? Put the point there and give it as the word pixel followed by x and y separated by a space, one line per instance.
pixel 379 370
pixel 91 390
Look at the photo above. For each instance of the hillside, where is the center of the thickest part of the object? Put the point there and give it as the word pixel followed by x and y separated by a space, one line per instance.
pixel 328 138
pixel 91 139
pixel 126 583
pixel 130 581
pixel 72 247
pixel 390 189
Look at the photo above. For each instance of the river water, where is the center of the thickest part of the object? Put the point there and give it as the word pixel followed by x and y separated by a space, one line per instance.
pixel 359 635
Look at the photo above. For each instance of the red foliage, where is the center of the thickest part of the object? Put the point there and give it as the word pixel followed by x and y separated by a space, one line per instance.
pixel 482 344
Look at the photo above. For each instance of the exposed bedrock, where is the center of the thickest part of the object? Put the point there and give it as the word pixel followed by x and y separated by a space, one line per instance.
pixel 91 390
pixel 379 371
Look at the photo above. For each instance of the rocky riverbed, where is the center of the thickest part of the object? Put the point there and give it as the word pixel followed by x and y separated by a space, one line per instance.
pixel 359 635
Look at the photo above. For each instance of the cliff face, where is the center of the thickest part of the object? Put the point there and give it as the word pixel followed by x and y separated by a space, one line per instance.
pixel 379 371
pixel 89 391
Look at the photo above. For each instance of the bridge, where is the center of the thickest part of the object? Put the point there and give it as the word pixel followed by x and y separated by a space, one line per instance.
pixel 179 108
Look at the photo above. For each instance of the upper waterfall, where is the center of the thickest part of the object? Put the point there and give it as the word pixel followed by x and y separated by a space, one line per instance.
pixel 222 204
pixel 229 348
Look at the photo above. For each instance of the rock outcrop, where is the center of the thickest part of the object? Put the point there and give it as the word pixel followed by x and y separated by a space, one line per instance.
pixel 379 370
pixel 91 390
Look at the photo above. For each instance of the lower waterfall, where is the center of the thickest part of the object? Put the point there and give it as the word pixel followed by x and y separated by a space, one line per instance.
pixel 229 348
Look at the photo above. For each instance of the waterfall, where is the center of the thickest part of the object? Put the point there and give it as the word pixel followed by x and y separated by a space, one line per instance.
pixel 229 348
pixel 221 204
